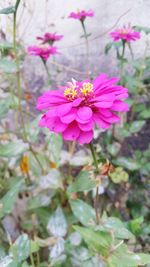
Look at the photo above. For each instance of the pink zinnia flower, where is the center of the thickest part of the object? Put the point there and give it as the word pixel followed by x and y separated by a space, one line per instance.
pixel 49 38
pixel 81 15
pixel 43 51
pixel 74 110
pixel 126 33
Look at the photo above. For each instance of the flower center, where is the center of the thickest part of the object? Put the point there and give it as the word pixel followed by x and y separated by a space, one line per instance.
pixel 75 91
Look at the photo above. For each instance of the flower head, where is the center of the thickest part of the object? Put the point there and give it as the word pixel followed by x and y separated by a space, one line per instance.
pixel 74 110
pixel 49 38
pixel 126 33
pixel 43 51
pixel 81 15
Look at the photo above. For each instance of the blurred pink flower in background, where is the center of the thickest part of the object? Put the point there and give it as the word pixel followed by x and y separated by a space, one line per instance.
pixel 49 38
pixel 74 110
pixel 43 51
pixel 81 15
pixel 126 33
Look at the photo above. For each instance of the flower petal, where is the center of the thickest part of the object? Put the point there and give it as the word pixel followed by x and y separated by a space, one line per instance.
pixel 84 113
pixel 72 132
pixel 85 137
pixel 86 126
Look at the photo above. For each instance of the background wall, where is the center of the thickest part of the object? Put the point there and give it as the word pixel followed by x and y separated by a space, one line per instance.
pixel 38 16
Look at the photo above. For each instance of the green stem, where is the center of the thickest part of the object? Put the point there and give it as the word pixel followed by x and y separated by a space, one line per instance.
pixel 18 80
pixel 122 59
pixel 94 156
pixel 131 51
pixel 32 260
pixel 87 44
pixel 47 70
pixel 93 152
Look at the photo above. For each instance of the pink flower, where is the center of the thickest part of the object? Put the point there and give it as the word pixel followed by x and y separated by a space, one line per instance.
pixel 74 110
pixel 81 15
pixel 126 33
pixel 49 38
pixel 43 51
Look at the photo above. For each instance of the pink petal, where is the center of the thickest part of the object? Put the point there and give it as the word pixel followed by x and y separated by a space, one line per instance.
pixel 72 132
pixel 64 109
pixel 103 104
pixel 100 122
pixel 84 113
pixel 85 137
pixel 86 126
pixel 120 106
pixel 77 102
pixel 55 125
pixel 69 117
pixel 42 122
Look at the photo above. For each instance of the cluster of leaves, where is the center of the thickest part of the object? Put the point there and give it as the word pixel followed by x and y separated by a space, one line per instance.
pixel 47 191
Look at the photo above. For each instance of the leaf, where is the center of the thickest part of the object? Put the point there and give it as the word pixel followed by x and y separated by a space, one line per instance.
pixel 119 175
pixel 124 258
pixel 55 146
pixel 82 183
pixel 8 10
pixel 57 225
pixel 136 126
pixel 141 28
pixel 52 180
pixel 128 163
pixel 5 45
pixel 8 102
pixel 7 66
pixel 83 212
pixel 13 149
pixel 80 158
pixel 58 248
pixel 135 226
pixel 114 148
pixel 7 202
pixel 97 241
pixel 116 226
pixel 21 248
pixel 8 262
pixel 41 200
pixel 145 114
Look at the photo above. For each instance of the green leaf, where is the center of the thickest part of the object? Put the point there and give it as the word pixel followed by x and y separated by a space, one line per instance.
pixel 116 226
pixel 128 163
pixel 52 180
pixel 119 175
pixel 136 126
pixel 7 66
pixel 114 148
pixel 55 145
pixel 124 258
pixel 13 149
pixel 5 45
pixel 21 248
pixel 135 226
pixel 8 262
pixel 57 225
pixel 83 212
pixel 145 114
pixel 8 10
pixel 82 183
pixel 8 102
pixel 41 200
pixel 141 28
pixel 7 202
pixel 97 241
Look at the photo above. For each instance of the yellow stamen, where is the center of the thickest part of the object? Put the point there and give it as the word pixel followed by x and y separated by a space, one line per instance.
pixel 72 93
pixel 87 89
pixel 67 91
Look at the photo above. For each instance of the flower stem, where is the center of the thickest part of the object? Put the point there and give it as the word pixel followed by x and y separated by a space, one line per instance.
pixel 47 70
pixel 93 152
pixel 18 68
pixel 87 44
